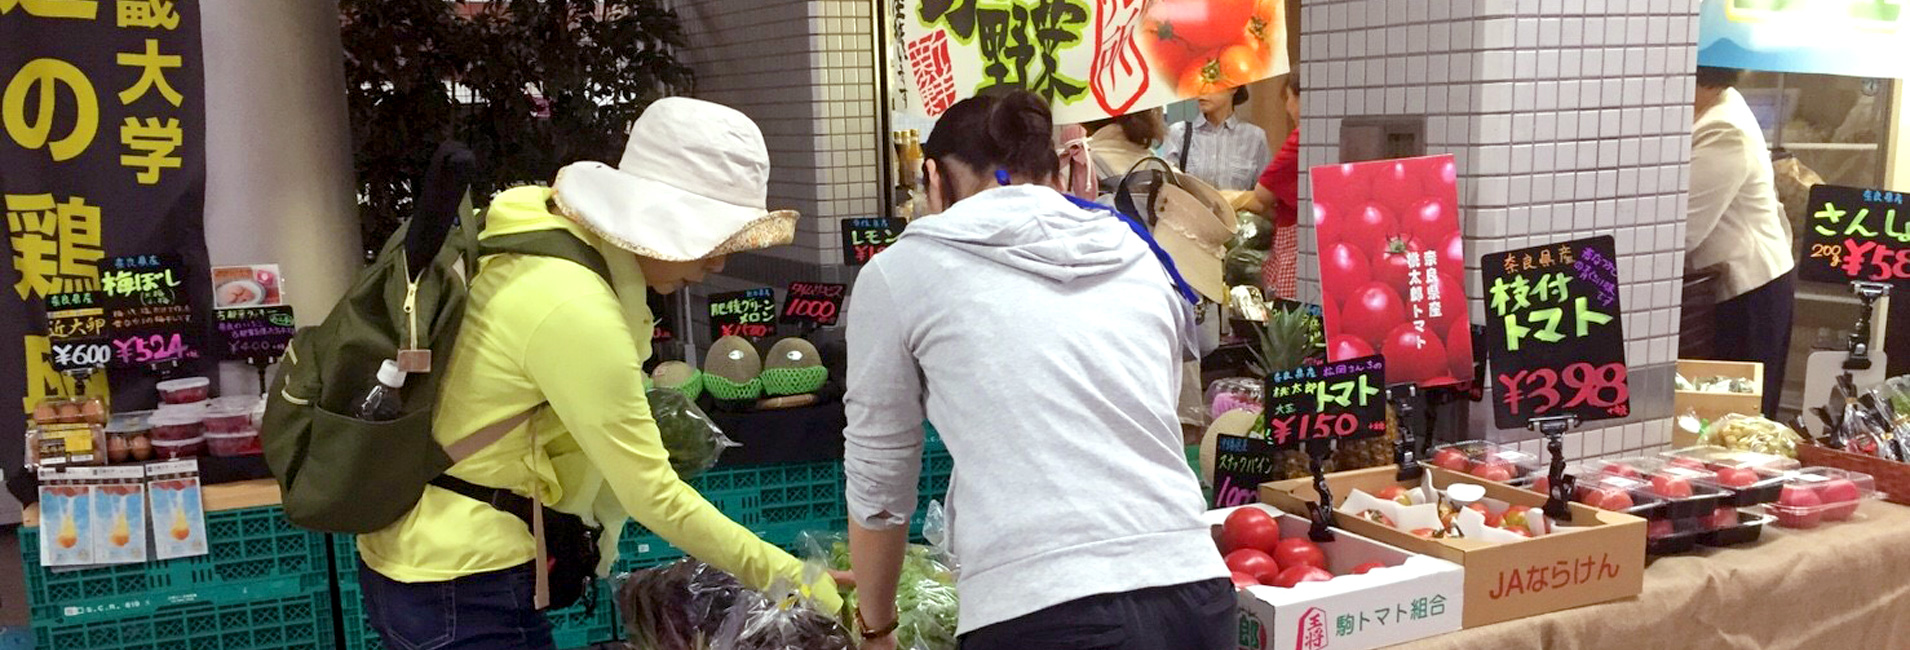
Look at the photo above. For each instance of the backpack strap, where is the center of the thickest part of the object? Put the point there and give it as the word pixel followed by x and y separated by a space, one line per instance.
pixel 548 243
pixel 1186 143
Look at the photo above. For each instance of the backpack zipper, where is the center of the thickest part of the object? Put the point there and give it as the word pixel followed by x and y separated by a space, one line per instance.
pixel 411 302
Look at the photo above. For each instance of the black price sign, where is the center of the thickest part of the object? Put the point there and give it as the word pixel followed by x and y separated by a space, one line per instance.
pixel 147 310
pixel 1241 464
pixel 1554 333
pixel 1337 400
pixel 863 238
pixel 1856 234
pixel 813 303
pixel 76 332
pixel 749 313
pixel 256 333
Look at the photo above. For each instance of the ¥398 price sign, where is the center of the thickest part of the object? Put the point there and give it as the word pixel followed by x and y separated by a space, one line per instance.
pixel 1338 400
pixel 1856 234
pixel 1555 333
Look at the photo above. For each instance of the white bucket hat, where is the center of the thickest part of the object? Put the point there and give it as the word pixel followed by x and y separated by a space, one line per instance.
pixel 693 184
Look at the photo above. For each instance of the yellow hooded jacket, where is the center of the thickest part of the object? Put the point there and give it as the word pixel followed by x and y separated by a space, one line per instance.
pixel 547 331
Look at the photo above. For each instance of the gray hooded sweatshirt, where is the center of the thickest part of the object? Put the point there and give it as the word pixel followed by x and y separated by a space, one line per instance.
pixel 1044 341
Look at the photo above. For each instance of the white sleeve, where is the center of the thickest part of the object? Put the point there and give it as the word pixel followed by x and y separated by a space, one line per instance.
pixel 882 447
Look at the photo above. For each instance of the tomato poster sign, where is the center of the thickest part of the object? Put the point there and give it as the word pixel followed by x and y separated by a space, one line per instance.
pixel 1392 262
pixel 1856 235
pixel 1557 342
pixel 1091 59
pixel 1339 400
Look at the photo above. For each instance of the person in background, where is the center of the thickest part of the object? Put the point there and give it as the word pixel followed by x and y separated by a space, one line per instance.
pixel 1050 364
pixel 1278 193
pixel 1735 230
pixel 1220 149
pixel 1118 143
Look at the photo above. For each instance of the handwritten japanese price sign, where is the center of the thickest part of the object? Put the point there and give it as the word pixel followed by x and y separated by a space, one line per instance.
pixel 1555 337
pixel 1339 400
pixel 1091 59
pixel 863 238
pixel 1855 234
pixel 749 313
pixel 255 333
pixel 1241 464
pixel 147 310
pixel 813 303
pixel 76 332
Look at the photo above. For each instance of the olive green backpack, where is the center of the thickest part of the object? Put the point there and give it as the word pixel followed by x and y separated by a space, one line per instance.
pixel 338 474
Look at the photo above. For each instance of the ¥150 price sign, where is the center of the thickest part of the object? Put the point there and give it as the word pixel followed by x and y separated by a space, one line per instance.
pixel 1339 400
pixel 1856 234
pixel 1555 334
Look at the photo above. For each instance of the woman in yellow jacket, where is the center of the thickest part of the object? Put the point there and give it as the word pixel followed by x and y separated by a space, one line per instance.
pixel 551 337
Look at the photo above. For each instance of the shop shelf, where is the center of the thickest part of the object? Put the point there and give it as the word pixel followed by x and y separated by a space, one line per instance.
pixel 301 621
pixel 572 627
pixel 254 554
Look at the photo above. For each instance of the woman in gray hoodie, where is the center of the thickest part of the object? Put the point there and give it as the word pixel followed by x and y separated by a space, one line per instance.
pixel 1044 338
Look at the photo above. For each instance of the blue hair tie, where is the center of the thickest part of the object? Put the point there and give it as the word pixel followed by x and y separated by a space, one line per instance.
pixel 1001 176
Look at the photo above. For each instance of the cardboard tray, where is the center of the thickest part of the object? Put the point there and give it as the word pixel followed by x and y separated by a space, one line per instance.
pixel 1419 596
pixel 1597 557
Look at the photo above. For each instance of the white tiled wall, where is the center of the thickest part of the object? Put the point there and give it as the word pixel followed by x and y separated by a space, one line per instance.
pixel 1569 119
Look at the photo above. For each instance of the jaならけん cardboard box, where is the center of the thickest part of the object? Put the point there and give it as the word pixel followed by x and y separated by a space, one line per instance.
pixel 1412 597
pixel 1595 557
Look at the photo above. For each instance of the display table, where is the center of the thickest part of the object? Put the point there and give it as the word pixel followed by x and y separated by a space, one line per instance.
pixel 1842 585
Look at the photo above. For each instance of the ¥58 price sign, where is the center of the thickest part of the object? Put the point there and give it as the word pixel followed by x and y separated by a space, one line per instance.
pixel 1856 234
pixel 1555 335
pixel 1339 400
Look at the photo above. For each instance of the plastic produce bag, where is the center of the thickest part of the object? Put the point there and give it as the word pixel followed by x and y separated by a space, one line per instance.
pixel 782 620
pixel 926 603
pixel 693 440
pixel 693 606
pixel 1752 433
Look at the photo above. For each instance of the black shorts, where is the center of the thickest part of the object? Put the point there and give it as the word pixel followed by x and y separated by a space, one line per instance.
pixel 1193 616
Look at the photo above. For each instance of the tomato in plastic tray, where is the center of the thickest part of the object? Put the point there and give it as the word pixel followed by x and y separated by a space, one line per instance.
pixel 1750 527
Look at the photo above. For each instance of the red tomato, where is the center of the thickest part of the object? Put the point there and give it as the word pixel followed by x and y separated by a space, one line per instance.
pixel 1329 316
pixel 1398 185
pixel 1724 517
pixel 1798 508
pixel 1205 23
pixel 1459 357
pixel 1166 54
pixel 1621 469
pixel 1452 459
pixel 1736 477
pixel 1670 487
pixel 1347 268
pixel 1681 461
pixel 1241 64
pixel 1430 220
pixel 1243 581
pixel 1291 577
pixel 1368 227
pixel 1341 347
pixel 1251 562
pixel 1249 528
pixel 1841 492
pixel 1452 252
pixel 1371 312
pixel 1445 175
pixel 1494 471
pixel 1396 493
pixel 1413 355
pixel 1658 529
pixel 1298 551
pixel 1393 263
pixel 1326 230
pixel 1605 498
pixel 1369 566
pixel 1201 77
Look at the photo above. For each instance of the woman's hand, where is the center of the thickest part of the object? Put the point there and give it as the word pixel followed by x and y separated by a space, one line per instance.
pixel 844 579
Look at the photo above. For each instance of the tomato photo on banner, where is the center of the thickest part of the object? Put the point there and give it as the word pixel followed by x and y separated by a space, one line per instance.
pixel 1555 333
pixel 1392 267
pixel 1091 59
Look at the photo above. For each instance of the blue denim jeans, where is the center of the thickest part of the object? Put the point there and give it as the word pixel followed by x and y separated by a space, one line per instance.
pixel 1193 616
pixel 486 611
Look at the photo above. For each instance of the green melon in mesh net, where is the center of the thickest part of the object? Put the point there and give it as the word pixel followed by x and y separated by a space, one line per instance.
pixel 722 388
pixel 794 381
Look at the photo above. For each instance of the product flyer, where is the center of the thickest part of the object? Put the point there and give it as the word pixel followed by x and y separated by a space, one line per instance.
pixel 66 520
pixel 179 517
pixel 119 505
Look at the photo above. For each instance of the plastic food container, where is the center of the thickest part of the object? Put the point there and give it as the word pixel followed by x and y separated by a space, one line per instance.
pixel 1814 496
pixel 175 425
pixel 1749 527
pixel 66 444
pixel 1487 461
pixel 230 415
pixel 185 391
pixel 1747 477
pixel 243 443
pixel 85 410
pixel 177 449
pixel 1673 536
pixel 129 437
pixel 1234 394
pixel 1677 492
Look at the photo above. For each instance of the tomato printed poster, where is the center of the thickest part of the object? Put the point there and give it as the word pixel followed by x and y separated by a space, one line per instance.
pixel 1555 333
pixel 1091 59
pixel 1392 266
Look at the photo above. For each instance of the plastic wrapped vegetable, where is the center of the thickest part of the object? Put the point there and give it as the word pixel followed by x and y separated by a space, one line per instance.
pixel 693 440
pixel 782 621
pixel 1752 433
pixel 926 602
pixel 693 606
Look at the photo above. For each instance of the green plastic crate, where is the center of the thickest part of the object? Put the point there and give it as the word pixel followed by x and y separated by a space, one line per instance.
pixel 301 621
pixel 572 627
pixel 776 502
pixel 255 554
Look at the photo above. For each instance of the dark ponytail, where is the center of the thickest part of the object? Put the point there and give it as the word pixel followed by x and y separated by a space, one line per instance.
pixel 1006 128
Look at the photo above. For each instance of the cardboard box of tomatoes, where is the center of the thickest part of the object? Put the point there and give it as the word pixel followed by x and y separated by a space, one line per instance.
pixel 1596 557
pixel 1352 593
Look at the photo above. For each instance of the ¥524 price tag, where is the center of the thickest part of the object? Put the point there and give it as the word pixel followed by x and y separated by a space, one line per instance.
pixel 1554 333
pixel 1340 400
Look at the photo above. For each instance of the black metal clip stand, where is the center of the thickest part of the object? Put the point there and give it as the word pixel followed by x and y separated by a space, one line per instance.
pixel 1867 294
pixel 1322 512
pixel 1405 399
pixel 164 369
pixel 1561 486
pixel 261 365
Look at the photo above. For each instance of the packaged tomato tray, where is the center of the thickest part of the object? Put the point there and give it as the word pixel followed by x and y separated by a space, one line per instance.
pixel 1749 478
pixel 1488 461
pixel 1814 496
pixel 1672 492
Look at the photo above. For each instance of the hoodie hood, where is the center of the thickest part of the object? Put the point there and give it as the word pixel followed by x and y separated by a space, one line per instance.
pixel 1035 230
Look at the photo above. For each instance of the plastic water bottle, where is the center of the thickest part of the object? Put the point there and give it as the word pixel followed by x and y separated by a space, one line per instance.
pixel 382 403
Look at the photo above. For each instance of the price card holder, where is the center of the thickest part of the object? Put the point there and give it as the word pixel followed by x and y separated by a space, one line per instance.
pixel 76 333
pixel 1405 399
pixel 1868 293
pixel 1561 487
pixel 750 314
pixel 1318 406
pixel 147 312
pixel 1556 335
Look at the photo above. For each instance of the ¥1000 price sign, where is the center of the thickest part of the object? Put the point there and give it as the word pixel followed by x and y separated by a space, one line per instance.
pixel 1555 333
pixel 1339 400
pixel 1856 234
